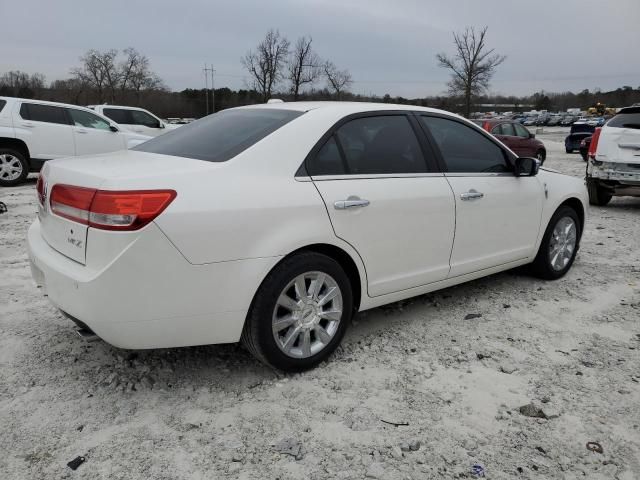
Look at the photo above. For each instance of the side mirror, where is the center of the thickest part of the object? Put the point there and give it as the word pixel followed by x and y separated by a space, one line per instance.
pixel 113 128
pixel 527 167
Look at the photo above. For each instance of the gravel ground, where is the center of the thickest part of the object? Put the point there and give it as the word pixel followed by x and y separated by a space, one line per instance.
pixel 453 386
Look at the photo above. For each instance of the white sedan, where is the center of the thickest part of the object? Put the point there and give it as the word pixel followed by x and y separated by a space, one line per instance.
pixel 273 224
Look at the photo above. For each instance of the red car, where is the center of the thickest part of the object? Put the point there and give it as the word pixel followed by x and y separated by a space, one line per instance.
pixel 516 137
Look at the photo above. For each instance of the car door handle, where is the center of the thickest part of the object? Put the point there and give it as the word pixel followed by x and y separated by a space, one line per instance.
pixel 471 195
pixel 28 125
pixel 351 202
pixel 81 131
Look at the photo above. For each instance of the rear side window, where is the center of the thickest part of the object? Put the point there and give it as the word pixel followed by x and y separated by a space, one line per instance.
pixel 221 136
pixel 2 104
pixel 464 149
pixel 630 119
pixel 119 115
pixel 43 113
pixel 383 144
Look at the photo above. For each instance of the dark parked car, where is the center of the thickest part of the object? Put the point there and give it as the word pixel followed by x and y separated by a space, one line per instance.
pixel 584 147
pixel 516 137
pixel 579 131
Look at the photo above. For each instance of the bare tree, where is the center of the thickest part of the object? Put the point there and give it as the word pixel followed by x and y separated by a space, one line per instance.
pixel 471 67
pixel 70 89
pixel 20 84
pixel 337 80
pixel 266 63
pixel 135 74
pixel 304 66
pixel 99 70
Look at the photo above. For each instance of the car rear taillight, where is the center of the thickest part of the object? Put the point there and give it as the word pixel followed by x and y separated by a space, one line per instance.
pixel 594 143
pixel 40 190
pixel 109 210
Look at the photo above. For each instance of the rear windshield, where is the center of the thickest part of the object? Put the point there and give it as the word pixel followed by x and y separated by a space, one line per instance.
pixel 2 104
pixel 628 119
pixel 219 137
pixel 582 127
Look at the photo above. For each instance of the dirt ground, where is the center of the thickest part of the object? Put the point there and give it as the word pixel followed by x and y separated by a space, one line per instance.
pixel 453 385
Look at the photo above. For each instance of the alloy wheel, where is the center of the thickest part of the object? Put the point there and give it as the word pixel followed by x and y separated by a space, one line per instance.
pixel 563 243
pixel 10 167
pixel 307 314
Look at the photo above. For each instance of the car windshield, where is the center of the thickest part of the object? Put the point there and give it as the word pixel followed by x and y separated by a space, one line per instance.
pixel 220 137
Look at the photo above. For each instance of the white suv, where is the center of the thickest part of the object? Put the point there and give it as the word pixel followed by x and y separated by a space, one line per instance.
pixel 33 131
pixel 613 167
pixel 135 119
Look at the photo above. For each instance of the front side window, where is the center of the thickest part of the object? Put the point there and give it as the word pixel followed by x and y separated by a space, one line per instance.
pixel 80 118
pixel 143 118
pixel 383 144
pixel 43 113
pixel 507 129
pixel 222 136
pixel 119 115
pixel 463 149
pixel 521 131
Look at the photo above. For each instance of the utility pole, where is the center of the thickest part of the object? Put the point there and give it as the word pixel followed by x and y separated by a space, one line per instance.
pixel 206 88
pixel 208 70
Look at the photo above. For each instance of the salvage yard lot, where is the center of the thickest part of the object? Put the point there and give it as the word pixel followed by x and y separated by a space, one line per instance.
pixel 453 382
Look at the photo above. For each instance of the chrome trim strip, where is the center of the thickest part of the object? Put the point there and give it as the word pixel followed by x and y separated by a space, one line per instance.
pixel 479 174
pixel 322 178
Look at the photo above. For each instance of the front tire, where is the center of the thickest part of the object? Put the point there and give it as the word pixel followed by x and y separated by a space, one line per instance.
pixel 559 245
pixel 14 167
pixel 300 312
pixel 541 155
pixel 569 150
pixel 597 195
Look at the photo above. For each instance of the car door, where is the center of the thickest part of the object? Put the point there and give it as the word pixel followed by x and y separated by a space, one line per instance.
pixel 528 146
pixel 93 134
pixel 497 214
pixel 386 199
pixel 49 133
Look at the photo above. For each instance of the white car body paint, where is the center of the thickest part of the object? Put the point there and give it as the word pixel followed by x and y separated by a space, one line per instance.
pixel 188 278
pixel 140 128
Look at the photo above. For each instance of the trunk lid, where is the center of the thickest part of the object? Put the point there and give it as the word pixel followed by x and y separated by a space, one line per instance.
pixel 125 170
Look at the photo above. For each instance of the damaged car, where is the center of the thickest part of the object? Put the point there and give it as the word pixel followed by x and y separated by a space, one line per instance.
pixel 613 166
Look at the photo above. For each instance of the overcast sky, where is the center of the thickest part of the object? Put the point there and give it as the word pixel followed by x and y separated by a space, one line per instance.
pixel 389 46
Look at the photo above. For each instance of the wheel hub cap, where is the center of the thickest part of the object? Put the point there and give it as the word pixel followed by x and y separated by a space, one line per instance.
pixel 307 314
pixel 563 243
pixel 10 167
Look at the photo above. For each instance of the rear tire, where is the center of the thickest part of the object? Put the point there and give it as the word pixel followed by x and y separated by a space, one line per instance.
pixel 315 328
pixel 597 195
pixel 569 150
pixel 14 167
pixel 559 245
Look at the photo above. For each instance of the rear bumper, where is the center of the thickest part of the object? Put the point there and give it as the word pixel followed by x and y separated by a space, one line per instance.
pixel 150 296
pixel 619 172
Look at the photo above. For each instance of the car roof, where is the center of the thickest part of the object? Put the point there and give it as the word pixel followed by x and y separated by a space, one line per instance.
pixel 106 105
pixel 344 107
pixel 44 102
